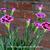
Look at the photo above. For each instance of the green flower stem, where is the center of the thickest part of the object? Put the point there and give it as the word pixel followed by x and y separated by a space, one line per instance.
pixel 37 39
pixel 12 12
pixel 1 44
pixel 14 39
pixel 36 29
pixel 17 37
pixel 10 37
pixel 12 48
pixel 27 33
pixel 10 40
pixel 26 36
pixel 8 26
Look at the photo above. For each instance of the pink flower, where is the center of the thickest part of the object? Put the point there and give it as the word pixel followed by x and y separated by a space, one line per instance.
pixel 37 24
pixel 40 15
pixel 6 19
pixel 39 6
pixel 46 25
pixel 3 8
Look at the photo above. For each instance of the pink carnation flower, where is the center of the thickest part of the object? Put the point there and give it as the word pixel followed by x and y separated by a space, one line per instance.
pixel 40 6
pixel 46 25
pixel 37 24
pixel 6 19
pixel 40 15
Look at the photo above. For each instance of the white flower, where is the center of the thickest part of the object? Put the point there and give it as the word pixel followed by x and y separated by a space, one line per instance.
pixel 28 22
pixel 13 9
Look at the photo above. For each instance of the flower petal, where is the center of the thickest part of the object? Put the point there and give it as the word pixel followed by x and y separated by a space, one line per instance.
pixel 40 15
